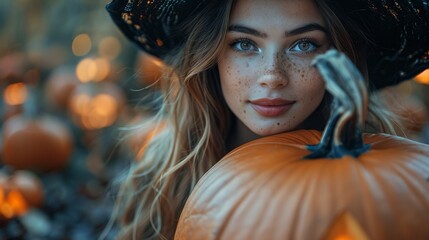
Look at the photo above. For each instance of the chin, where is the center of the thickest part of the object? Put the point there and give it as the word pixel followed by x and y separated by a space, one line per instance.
pixel 268 132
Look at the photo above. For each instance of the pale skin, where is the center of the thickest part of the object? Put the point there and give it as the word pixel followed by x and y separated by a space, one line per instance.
pixel 265 67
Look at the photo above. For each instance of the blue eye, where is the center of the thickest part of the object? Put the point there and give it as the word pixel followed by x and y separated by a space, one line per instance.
pixel 244 45
pixel 304 45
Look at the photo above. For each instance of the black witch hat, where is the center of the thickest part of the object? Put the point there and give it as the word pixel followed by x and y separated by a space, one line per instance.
pixel 397 30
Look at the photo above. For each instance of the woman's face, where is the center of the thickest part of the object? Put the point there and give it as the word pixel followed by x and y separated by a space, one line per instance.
pixel 265 67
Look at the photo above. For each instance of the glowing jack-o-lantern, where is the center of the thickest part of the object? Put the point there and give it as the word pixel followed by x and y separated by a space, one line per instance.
pixel 96 105
pixel 346 228
pixel 19 192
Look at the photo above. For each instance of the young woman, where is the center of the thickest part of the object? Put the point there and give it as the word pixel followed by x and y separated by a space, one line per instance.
pixel 242 70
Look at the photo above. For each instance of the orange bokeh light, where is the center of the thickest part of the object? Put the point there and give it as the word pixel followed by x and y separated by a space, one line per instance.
pixel 15 94
pixel 95 112
pixel 12 204
pixel 95 70
pixel 109 48
pixel 81 44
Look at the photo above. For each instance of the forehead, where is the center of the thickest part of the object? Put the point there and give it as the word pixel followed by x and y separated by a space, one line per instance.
pixel 259 12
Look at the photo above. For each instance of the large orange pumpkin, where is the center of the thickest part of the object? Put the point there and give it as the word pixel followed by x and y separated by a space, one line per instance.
pixel 266 190
pixel 307 185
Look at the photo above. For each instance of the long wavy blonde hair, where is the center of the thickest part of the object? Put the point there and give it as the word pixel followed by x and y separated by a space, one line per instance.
pixel 154 190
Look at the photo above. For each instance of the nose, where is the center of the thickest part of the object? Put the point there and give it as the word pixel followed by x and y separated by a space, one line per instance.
pixel 274 74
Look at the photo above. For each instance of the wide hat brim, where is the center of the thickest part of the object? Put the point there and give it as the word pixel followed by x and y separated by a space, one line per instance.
pixel 397 31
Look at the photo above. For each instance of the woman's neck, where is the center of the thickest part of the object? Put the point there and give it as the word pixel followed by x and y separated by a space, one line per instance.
pixel 239 135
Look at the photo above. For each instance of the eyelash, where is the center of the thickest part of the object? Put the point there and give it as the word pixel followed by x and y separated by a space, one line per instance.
pixel 314 44
pixel 234 46
pixel 243 40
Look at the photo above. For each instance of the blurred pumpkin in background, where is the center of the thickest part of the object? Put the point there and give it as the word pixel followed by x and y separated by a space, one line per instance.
pixel 16 67
pixel 139 135
pixel 16 73
pixel 12 66
pixel 149 69
pixel 41 143
pixel 59 87
pixel 411 111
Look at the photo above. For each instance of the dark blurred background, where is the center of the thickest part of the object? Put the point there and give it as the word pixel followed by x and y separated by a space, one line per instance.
pixel 72 88
pixel 71 85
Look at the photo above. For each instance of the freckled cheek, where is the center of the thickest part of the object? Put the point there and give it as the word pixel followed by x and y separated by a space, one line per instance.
pixel 236 73
pixel 235 85
pixel 299 70
pixel 311 85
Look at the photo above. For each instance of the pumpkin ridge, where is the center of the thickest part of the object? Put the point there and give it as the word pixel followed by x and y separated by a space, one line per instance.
pixel 344 193
pixel 308 194
pixel 192 217
pixel 392 199
pixel 271 175
pixel 415 182
pixel 222 228
pixel 300 197
pixel 422 167
pixel 368 186
pixel 245 196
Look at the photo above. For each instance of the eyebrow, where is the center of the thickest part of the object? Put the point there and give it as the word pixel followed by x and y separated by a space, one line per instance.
pixel 244 29
pixel 306 28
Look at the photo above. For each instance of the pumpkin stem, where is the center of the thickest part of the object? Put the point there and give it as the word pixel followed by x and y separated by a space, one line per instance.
pixel 343 132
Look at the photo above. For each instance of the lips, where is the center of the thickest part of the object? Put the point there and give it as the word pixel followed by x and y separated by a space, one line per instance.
pixel 271 107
